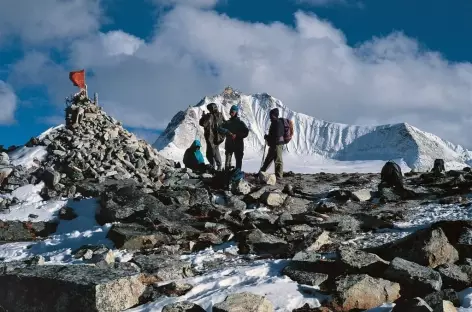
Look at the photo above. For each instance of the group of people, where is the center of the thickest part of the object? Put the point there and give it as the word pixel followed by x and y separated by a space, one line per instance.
pixel 233 132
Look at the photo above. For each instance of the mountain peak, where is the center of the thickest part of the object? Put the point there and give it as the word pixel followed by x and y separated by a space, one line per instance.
pixel 313 136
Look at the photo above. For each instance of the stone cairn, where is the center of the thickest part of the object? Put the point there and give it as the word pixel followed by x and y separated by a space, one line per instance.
pixel 91 147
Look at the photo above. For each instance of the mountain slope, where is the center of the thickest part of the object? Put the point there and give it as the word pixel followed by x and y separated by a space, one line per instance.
pixel 312 136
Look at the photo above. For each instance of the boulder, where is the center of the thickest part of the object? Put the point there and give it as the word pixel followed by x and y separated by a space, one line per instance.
pixel 307 308
pixel 363 292
pixel 273 199
pixel 183 306
pixel 362 195
pixel 415 280
pixel 163 268
pixel 428 247
pixel 358 261
pixel 4 159
pixel 244 301
pixel 69 288
pixel 240 187
pixel 436 298
pixel 135 237
pixel 267 178
pixel 457 277
pixel 258 242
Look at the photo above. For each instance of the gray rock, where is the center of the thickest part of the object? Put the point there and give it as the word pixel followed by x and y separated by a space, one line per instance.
pixel 244 301
pixel 357 261
pixel 255 241
pixel 414 278
pixel 362 195
pixel 273 199
pixel 455 276
pixel 436 298
pixel 162 267
pixel 305 277
pixel 67 213
pixel 267 178
pixel 241 187
pixel 183 306
pixel 135 236
pixel 51 177
pixel 428 247
pixel 69 288
pixel 363 292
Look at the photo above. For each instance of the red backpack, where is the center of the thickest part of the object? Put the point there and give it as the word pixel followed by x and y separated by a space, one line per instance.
pixel 288 129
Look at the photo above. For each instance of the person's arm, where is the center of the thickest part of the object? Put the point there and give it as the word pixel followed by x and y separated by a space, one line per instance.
pixel 244 131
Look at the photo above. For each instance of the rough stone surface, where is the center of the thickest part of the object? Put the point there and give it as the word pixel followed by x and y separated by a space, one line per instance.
pixel 184 306
pixel 244 302
pixel 363 292
pixel 414 278
pixel 69 288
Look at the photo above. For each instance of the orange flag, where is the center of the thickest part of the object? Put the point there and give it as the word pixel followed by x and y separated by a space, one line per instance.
pixel 78 78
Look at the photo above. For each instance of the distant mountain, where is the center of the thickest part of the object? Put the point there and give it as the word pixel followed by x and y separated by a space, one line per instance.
pixel 417 148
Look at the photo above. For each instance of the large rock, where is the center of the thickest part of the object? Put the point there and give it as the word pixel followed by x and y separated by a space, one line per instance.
pixel 258 242
pixel 69 288
pixel 428 247
pixel 416 280
pixel 124 203
pixel 183 306
pixel 363 292
pixel 135 237
pixel 457 277
pixel 267 178
pixel 163 268
pixel 358 261
pixel 244 301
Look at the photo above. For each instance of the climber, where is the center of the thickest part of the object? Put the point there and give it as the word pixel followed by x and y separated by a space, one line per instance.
pixel 193 158
pixel 275 141
pixel 210 123
pixel 235 130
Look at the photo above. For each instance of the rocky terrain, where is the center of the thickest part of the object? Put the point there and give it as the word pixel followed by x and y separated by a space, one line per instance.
pixel 159 212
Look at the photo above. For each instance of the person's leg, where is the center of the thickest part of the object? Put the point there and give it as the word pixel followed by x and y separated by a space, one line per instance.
pixel 269 158
pixel 209 154
pixel 278 161
pixel 239 154
pixel 217 156
pixel 228 156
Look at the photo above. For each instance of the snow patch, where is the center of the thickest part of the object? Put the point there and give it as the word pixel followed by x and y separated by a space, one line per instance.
pixel 26 156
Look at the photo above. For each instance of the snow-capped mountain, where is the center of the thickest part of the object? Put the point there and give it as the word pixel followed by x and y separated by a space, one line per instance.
pixel 314 137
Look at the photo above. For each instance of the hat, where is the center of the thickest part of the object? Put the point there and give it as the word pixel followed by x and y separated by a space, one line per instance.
pixel 197 143
pixel 234 108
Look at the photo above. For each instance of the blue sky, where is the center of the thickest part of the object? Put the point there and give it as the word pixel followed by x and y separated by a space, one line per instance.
pixel 360 62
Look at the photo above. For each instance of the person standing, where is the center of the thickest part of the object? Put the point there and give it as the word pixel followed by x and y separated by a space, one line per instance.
pixel 275 141
pixel 236 131
pixel 210 123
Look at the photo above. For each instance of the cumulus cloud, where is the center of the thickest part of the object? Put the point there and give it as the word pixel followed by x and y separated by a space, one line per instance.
pixel 7 103
pixel 310 67
pixel 38 21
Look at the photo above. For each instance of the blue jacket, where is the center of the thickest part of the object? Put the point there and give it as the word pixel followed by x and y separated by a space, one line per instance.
pixel 193 157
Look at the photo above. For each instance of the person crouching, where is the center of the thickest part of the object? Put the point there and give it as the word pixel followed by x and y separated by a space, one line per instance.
pixel 193 157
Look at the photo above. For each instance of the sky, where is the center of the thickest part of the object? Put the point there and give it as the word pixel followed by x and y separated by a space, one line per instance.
pixel 364 62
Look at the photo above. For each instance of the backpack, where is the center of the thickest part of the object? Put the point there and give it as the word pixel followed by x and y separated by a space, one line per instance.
pixel 391 174
pixel 218 137
pixel 288 129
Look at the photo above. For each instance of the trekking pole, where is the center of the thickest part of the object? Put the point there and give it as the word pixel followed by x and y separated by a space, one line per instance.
pixel 263 153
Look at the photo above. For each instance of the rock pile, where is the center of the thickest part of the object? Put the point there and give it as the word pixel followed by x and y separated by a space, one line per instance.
pixel 89 148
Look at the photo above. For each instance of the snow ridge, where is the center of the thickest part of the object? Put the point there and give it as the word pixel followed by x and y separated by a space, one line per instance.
pixel 314 137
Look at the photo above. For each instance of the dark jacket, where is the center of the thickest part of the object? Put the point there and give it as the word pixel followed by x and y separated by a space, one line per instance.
pixel 276 130
pixel 193 157
pixel 234 126
pixel 209 123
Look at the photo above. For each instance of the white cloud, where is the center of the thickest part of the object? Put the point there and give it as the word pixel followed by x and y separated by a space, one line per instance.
pixel 311 68
pixel 46 20
pixel 7 103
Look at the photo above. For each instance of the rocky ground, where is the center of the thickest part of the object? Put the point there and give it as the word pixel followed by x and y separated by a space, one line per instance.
pixel 160 211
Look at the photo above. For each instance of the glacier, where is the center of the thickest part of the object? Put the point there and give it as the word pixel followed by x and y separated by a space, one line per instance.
pixel 314 138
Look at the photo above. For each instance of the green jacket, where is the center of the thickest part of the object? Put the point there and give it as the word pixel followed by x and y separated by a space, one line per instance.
pixel 234 126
